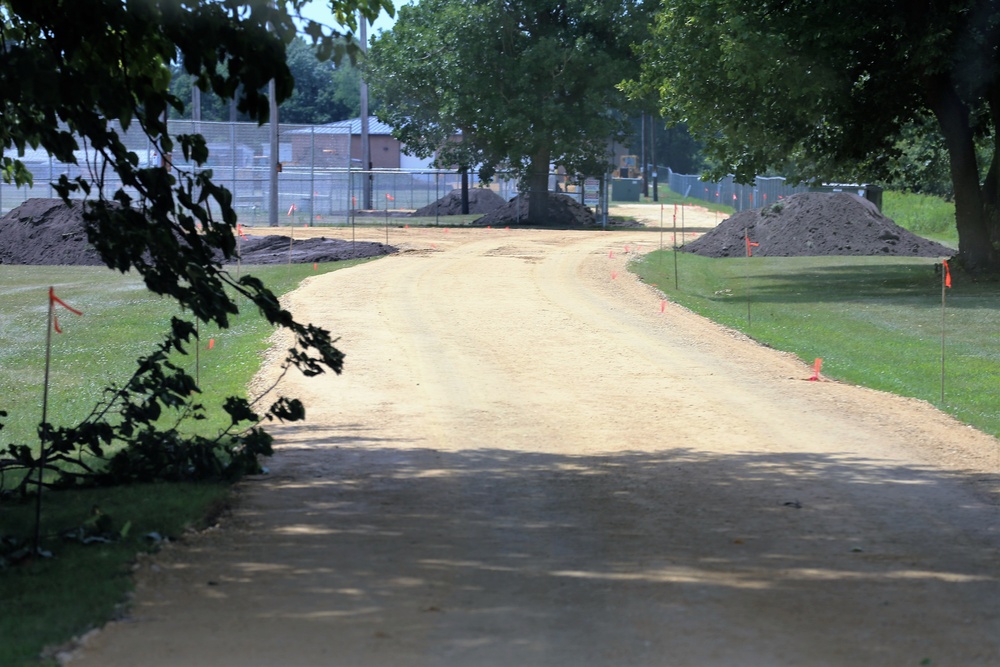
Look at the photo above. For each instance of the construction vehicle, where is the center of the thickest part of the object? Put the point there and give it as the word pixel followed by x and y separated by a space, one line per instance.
pixel 629 167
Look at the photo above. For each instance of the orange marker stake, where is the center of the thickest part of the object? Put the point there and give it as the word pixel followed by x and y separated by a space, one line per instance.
pixel 611 254
pixel 211 343
pixel 663 305
pixel 816 367
pixel 626 250
pixel 314 266
pixel 614 274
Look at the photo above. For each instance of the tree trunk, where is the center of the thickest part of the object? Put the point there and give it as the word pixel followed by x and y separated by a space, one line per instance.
pixel 991 186
pixel 538 187
pixel 975 249
pixel 465 191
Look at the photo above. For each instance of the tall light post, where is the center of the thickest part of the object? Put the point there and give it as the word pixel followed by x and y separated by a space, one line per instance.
pixel 275 161
pixel 366 152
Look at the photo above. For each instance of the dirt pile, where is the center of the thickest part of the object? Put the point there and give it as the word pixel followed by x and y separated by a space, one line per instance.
pixel 560 211
pixel 48 232
pixel 274 249
pixel 813 223
pixel 481 201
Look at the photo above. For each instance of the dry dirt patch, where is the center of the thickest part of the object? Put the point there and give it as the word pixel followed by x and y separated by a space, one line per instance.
pixel 526 463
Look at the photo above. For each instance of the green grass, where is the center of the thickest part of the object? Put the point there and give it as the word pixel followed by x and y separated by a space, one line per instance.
pixel 121 322
pixel 50 600
pixel 930 217
pixel 875 322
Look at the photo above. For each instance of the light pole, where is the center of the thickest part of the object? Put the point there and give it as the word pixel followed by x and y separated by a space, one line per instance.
pixel 366 152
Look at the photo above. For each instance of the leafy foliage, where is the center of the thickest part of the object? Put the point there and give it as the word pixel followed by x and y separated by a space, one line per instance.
pixel 323 92
pixel 524 83
pixel 676 148
pixel 67 70
pixel 834 91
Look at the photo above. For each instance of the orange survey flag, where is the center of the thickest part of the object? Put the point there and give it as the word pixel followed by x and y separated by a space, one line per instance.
pixel 53 300
pixel 947 273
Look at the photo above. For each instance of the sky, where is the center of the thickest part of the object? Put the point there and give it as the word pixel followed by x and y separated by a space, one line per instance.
pixel 319 10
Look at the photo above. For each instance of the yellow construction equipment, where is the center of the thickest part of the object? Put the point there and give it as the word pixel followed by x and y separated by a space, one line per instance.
pixel 629 166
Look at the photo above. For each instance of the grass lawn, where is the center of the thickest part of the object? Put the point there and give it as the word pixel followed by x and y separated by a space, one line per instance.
pixel 875 322
pixel 50 600
pixel 928 216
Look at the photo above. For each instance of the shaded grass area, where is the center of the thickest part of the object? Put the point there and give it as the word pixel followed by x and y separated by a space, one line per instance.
pixel 50 600
pixel 928 216
pixel 875 322
pixel 83 586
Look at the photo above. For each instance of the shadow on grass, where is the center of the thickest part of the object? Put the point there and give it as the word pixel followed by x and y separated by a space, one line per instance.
pixel 911 283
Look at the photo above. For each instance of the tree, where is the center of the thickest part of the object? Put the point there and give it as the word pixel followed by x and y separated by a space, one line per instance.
pixel 213 108
pixel 324 92
pixel 525 83
pixel 831 87
pixel 346 96
pixel 67 70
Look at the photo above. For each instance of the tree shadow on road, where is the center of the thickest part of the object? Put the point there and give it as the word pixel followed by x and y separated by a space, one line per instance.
pixel 486 546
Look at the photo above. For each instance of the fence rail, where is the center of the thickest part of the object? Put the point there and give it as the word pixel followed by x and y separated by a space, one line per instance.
pixel 318 183
pixel 763 192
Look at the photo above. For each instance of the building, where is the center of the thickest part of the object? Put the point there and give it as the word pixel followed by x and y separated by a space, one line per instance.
pixel 330 145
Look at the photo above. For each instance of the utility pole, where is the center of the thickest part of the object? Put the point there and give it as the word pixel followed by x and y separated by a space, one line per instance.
pixel 196 105
pixel 275 162
pixel 652 157
pixel 366 151
pixel 642 158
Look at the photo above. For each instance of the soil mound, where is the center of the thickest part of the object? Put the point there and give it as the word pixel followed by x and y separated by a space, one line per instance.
pixel 275 249
pixel 814 223
pixel 481 201
pixel 560 211
pixel 47 232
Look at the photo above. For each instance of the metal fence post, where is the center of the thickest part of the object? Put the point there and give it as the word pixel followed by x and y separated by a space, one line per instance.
pixel 312 174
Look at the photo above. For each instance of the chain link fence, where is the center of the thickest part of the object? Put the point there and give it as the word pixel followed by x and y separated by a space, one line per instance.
pixel 764 191
pixel 318 183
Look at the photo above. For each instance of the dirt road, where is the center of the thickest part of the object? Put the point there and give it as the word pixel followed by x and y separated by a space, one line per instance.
pixel 527 463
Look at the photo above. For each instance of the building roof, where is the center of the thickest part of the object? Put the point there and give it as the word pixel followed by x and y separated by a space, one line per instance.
pixel 352 126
